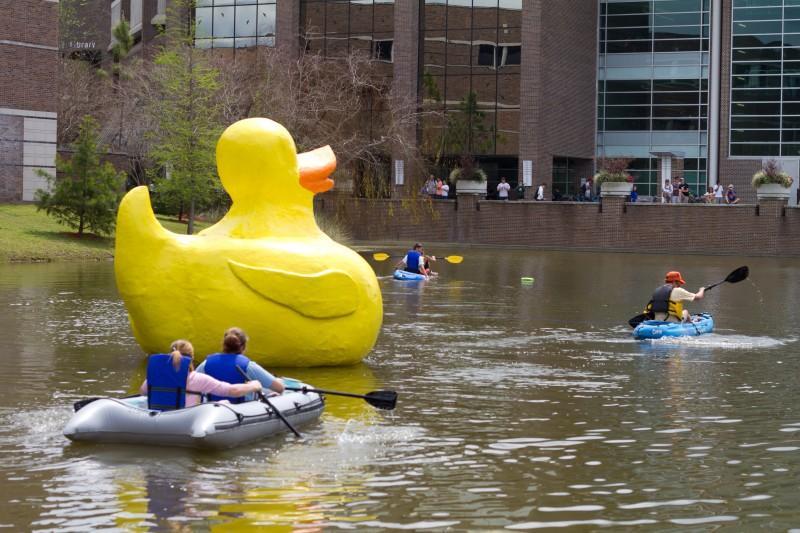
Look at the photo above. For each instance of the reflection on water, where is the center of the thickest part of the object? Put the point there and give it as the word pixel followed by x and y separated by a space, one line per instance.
pixel 522 406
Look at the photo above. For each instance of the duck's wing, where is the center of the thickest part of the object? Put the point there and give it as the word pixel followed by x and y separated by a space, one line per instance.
pixel 325 294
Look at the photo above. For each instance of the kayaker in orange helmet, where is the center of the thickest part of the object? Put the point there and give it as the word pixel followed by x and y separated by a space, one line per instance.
pixel 667 301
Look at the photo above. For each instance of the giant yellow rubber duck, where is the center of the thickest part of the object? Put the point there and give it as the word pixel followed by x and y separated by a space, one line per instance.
pixel 266 267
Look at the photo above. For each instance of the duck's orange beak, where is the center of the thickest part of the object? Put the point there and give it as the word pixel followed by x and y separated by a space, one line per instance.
pixel 315 167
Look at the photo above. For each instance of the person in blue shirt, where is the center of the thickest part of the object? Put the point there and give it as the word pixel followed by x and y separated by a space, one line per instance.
pixel 413 261
pixel 634 194
pixel 222 366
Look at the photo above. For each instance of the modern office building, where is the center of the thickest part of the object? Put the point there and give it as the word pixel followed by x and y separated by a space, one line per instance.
pixel 28 96
pixel 701 89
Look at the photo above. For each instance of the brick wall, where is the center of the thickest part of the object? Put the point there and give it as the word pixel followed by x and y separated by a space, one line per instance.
pixel 405 86
pixel 287 29
pixel 29 62
pixel 558 84
pixel 769 229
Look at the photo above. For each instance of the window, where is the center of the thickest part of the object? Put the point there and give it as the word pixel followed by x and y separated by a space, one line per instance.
pixel 653 89
pixel 383 50
pixel 223 24
pixel 512 55
pixel 486 55
pixel 116 16
pixel 136 15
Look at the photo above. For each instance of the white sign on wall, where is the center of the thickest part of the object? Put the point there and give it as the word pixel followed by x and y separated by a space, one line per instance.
pixel 527 173
pixel 399 172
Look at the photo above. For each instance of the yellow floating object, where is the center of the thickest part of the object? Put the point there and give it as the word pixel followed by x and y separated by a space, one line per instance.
pixel 526 280
pixel 266 267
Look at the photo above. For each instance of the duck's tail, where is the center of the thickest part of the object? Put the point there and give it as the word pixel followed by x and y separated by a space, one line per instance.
pixel 139 237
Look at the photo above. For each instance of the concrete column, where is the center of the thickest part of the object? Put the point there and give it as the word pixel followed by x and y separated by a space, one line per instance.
pixel 714 92
pixel 406 81
pixel 530 93
pixel 287 26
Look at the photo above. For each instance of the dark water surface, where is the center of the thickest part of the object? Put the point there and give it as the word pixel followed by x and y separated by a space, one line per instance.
pixel 521 407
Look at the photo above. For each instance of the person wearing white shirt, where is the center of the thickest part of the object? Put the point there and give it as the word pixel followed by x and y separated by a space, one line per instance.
pixel 540 192
pixel 445 189
pixel 718 190
pixel 666 196
pixel 502 189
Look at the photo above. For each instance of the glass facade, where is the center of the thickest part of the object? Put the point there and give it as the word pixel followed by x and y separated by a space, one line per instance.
pixel 471 71
pixel 336 28
pixel 765 78
pixel 653 86
pixel 234 23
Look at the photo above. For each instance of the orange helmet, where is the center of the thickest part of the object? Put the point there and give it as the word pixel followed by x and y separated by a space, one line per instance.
pixel 674 276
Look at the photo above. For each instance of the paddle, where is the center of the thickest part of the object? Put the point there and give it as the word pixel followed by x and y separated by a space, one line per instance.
pixel 382 399
pixel 80 404
pixel 263 398
pixel 740 274
pixel 455 259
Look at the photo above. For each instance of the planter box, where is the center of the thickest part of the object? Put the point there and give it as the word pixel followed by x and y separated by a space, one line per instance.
pixel 616 188
pixel 773 190
pixel 471 187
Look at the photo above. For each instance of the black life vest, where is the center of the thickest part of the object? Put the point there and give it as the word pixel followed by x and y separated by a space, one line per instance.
pixel 661 303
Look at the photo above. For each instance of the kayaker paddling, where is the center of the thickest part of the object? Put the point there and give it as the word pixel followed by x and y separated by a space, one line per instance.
pixel 667 301
pixel 413 261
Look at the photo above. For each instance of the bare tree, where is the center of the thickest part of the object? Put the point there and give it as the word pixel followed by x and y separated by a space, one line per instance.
pixel 83 90
pixel 346 102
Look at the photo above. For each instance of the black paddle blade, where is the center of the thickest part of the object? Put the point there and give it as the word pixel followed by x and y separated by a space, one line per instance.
pixel 638 319
pixel 738 275
pixel 382 399
pixel 80 404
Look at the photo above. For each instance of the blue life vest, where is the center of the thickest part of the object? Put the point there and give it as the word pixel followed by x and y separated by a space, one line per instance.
pixel 412 261
pixel 166 387
pixel 222 366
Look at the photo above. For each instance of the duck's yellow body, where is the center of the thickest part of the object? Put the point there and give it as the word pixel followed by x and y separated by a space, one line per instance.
pixel 303 299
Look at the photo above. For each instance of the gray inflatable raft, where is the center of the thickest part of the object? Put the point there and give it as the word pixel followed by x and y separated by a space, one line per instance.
pixel 213 425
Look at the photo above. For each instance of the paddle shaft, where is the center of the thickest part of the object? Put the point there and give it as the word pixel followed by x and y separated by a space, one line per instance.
pixel 334 393
pixel 263 398
pixel 379 399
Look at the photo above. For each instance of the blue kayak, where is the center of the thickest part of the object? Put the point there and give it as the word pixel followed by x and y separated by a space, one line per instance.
pixel 408 276
pixel 655 329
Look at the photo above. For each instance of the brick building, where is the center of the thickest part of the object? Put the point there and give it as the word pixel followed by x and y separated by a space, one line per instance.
pixel 702 89
pixel 28 95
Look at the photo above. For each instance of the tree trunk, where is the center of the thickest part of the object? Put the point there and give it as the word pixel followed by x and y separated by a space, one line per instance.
pixel 80 225
pixel 190 226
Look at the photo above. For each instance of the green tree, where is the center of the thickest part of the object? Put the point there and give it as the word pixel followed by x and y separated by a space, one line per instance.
pixel 455 133
pixel 88 191
pixel 123 42
pixel 188 118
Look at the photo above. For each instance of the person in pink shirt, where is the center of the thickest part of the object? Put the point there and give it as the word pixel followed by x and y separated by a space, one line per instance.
pixel 197 385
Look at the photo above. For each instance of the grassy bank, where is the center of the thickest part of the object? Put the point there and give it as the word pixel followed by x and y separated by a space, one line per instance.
pixel 28 236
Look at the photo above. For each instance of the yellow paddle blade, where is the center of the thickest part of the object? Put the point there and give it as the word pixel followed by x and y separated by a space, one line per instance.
pixel 455 259
pixel 380 256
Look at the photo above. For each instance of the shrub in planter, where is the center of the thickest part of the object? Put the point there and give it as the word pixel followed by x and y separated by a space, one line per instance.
pixel 467 170
pixel 771 173
pixel 613 170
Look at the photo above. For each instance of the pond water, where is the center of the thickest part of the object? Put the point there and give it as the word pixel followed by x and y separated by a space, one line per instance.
pixel 521 407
